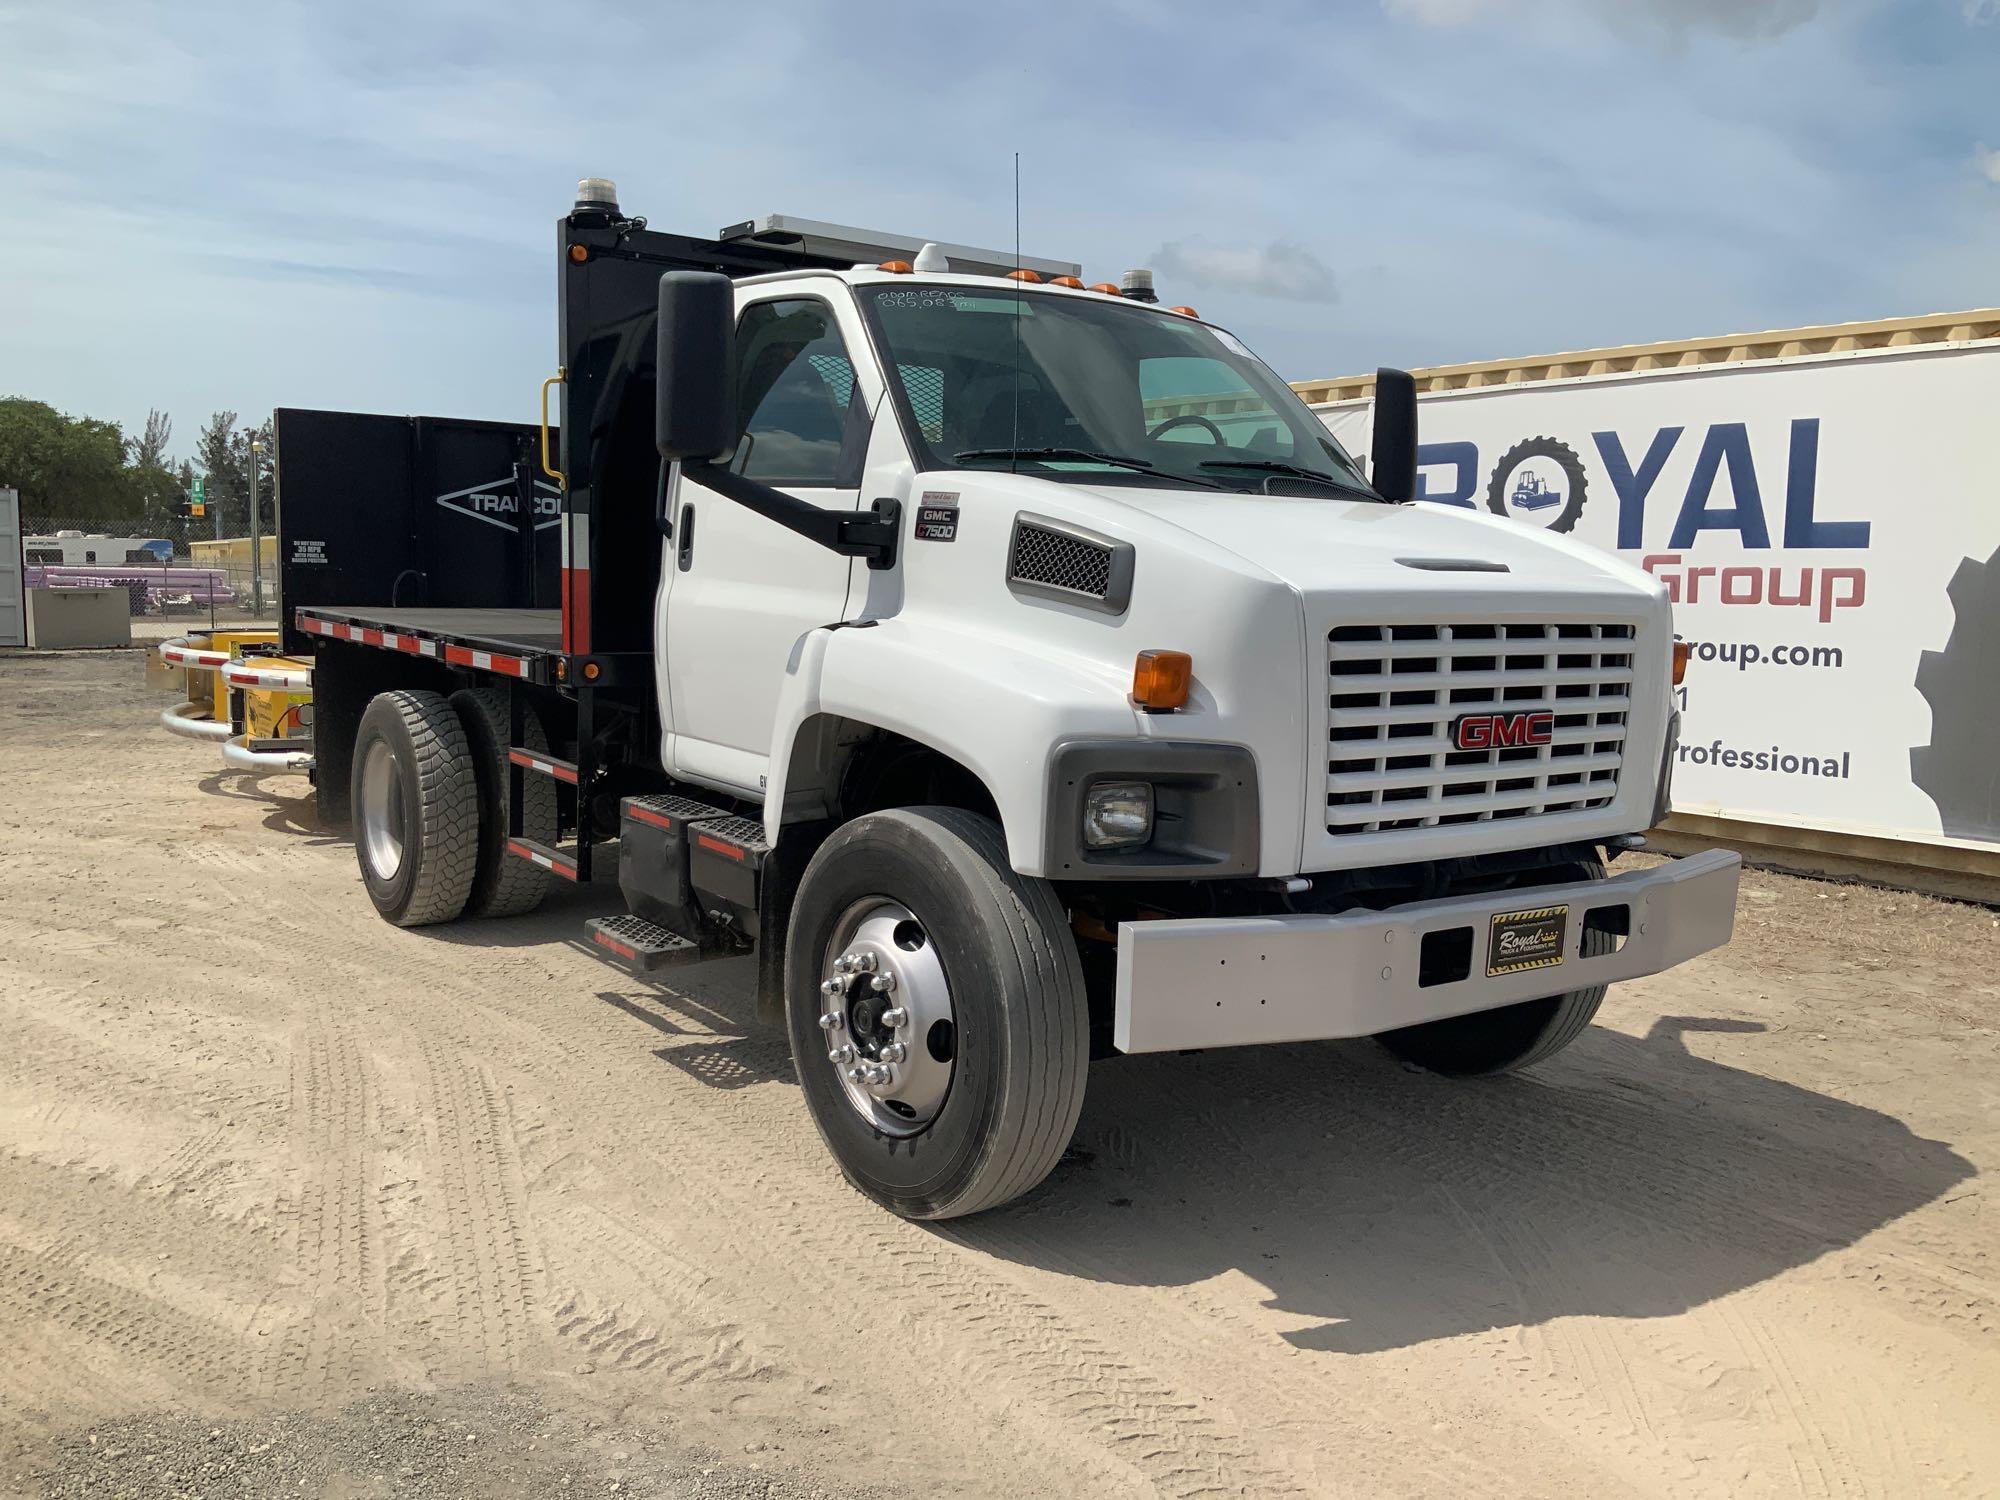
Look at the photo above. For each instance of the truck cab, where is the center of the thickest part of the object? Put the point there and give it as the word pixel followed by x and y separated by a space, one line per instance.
pixel 1026 675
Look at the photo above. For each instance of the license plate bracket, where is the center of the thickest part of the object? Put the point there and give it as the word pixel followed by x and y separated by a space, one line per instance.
pixel 1532 938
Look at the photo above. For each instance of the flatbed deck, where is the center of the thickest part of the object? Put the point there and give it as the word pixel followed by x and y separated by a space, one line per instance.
pixel 513 642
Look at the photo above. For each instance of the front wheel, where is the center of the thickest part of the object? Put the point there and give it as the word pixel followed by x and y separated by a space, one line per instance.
pixel 936 1012
pixel 1490 1042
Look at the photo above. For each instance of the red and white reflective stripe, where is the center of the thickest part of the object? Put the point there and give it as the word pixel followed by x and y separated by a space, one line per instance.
pixel 647 815
pixel 246 674
pixel 575 581
pixel 486 661
pixel 363 635
pixel 555 864
pixel 181 653
pixel 539 763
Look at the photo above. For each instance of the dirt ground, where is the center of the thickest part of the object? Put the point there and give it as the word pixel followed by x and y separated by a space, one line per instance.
pixel 294 1202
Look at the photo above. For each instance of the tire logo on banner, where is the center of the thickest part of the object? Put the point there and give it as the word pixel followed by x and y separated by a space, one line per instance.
pixel 1956 769
pixel 1540 482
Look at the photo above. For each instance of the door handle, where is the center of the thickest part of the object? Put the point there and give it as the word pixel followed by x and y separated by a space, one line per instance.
pixel 687 538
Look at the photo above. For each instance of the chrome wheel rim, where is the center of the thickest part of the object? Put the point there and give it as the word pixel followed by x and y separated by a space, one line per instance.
pixel 885 1012
pixel 382 817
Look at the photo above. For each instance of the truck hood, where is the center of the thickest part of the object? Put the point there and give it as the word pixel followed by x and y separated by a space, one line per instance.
pixel 1317 544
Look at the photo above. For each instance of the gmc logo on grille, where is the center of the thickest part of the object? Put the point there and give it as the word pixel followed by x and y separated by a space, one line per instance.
pixel 1503 731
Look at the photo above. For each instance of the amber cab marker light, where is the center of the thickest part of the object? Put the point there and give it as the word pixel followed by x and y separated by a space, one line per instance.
pixel 1024 276
pixel 1186 312
pixel 579 253
pixel 1682 650
pixel 895 267
pixel 1075 281
pixel 1109 288
pixel 1160 680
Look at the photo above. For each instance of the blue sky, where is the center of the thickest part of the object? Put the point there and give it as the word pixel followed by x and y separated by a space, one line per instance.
pixel 351 204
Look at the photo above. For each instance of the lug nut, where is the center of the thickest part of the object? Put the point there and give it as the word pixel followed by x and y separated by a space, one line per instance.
pixel 865 962
pixel 832 987
pixel 858 1073
pixel 895 1052
pixel 841 1054
pixel 882 984
pixel 844 964
pixel 878 1075
pixel 833 1020
pixel 895 1015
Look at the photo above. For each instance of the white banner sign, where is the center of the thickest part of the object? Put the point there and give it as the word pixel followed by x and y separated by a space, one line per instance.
pixel 1829 529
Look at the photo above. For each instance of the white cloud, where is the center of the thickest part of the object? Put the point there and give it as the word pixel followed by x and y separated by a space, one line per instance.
pixel 1988 161
pixel 1283 268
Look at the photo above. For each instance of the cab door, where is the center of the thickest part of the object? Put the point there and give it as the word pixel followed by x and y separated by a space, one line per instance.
pixel 741 590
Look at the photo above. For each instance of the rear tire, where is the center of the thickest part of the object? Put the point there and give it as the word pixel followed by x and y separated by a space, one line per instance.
pixel 1491 1042
pixel 973 941
pixel 416 808
pixel 503 885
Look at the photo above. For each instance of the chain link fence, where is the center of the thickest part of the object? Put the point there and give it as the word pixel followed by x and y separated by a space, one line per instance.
pixel 179 569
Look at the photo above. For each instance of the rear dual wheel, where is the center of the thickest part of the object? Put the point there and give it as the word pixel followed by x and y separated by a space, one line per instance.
pixel 936 1012
pixel 416 808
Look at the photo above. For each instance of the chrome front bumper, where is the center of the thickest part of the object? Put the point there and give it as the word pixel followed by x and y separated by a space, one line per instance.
pixel 1234 981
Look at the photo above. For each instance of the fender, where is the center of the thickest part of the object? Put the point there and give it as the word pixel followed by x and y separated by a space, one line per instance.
pixel 993 704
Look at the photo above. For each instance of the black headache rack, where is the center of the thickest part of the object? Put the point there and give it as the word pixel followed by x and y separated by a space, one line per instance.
pixel 530 555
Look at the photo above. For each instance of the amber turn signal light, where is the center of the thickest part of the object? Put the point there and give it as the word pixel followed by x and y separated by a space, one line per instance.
pixel 1160 680
pixel 1682 650
pixel 579 253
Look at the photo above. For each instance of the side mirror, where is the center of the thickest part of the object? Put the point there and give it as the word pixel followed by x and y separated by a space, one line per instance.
pixel 696 416
pixel 1392 456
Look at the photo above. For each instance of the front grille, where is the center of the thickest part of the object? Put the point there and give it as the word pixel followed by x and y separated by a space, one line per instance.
pixel 1395 691
pixel 1060 561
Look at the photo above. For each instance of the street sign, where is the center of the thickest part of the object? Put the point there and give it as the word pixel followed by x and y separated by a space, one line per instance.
pixel 199 497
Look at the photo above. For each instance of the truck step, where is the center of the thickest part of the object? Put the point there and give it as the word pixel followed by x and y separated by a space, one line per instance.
pixel 552 860
pixel 739 839
pixel 670 812
pixel 543 763
pixel 642 946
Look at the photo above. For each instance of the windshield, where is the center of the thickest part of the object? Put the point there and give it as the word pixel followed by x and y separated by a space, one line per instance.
pixel 1094 389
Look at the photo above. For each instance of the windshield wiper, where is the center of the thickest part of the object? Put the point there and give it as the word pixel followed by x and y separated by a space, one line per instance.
pixel 1279 466
pixel 1088 455
pixel 1061 455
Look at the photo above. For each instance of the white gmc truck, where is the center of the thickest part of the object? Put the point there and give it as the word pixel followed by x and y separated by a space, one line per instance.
pixel 1025 675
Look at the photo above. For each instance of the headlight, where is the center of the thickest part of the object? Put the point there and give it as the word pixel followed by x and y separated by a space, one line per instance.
pixel 1118 815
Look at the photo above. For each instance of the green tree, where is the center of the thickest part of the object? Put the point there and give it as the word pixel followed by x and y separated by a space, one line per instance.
pixel 66 468
pixel 215 454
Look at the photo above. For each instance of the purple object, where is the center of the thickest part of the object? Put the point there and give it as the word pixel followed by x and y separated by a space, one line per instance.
pixel 146 586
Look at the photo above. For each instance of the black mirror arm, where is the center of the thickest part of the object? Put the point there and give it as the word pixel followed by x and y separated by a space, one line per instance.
pixel 871 536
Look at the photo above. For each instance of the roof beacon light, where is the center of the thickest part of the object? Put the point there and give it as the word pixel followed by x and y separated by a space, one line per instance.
pixel 600 193
pixel 1137 284
pixel 931 260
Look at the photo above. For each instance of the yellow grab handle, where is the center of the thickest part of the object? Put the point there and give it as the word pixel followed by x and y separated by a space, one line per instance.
pixel 560 377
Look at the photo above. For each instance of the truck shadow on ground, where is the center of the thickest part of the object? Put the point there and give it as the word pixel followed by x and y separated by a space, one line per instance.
pixel 1383 1208
pixel 296 815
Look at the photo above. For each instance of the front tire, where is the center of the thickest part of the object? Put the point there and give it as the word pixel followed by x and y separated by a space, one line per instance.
pixel 1491 1042
pixel 416 808
pixel 984 997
